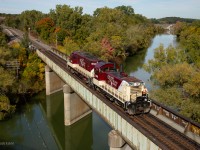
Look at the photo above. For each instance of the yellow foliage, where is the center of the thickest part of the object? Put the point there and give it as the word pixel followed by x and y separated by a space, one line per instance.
pixel 15 45
pixel 61 48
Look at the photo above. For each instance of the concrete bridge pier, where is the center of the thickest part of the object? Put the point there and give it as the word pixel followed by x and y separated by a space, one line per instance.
pixel 74 107
pixel 116 142
pixel 53 82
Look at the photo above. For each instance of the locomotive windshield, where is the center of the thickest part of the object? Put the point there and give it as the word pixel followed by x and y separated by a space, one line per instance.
pixel 136 83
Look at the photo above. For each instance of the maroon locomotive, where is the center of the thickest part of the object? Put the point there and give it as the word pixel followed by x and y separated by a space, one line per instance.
pixel 127 91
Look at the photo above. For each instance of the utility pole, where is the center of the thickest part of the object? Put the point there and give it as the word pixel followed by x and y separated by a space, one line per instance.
pixel 29 32
pixel 56 41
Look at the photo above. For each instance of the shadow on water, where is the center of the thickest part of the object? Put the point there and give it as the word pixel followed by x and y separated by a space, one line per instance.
pixel 89 133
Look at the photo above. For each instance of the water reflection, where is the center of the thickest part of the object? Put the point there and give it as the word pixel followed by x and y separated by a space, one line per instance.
pixel 89 133
pixel 27 129
pixel 135 62
pixel 79 135
pixel 133 65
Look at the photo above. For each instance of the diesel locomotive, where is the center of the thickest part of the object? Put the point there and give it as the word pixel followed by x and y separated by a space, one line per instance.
pixel 127 91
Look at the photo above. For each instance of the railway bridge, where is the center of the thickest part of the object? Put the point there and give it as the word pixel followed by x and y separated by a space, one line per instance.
pixel 163 128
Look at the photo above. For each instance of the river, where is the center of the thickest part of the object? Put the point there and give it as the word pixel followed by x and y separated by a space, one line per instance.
pixel 40 123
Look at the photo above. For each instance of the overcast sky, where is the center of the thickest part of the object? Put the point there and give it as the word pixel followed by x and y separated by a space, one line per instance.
pixel 148 8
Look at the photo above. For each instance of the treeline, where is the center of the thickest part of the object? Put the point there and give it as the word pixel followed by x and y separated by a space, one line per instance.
pixel 172 20
pixel 177 71
pixel 15 85
pixel 109 33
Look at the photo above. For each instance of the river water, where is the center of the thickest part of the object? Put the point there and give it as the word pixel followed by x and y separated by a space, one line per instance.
pixel 40 123
pixel 134 65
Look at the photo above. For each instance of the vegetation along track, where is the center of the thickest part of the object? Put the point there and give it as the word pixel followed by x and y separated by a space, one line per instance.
pixel 160 131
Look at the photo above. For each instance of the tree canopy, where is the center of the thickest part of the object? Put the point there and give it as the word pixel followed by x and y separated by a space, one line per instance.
pixel 110 33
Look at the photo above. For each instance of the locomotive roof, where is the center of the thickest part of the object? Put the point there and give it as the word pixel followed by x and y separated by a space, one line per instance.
pixel 86 55
pixel 131 79
pixel 128 79
pixel 101 63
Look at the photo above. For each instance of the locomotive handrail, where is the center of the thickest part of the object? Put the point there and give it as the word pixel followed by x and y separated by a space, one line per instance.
pixel 179 119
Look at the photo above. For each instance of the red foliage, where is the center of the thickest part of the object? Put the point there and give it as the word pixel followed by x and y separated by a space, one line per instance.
pixel 106 45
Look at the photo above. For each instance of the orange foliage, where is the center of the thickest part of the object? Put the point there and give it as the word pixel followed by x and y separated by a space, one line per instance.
pixel 45 23
pixel 57 29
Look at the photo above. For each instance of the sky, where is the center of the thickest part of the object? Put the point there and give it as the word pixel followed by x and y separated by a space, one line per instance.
pixel 147 8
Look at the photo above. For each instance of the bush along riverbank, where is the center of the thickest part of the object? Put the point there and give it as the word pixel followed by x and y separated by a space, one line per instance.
pixel 21 75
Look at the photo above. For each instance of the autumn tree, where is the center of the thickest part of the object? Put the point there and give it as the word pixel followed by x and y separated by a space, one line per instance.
pixel 45 27
pixel 33 75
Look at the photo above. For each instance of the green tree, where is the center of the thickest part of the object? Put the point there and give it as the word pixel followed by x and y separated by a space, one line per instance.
pixel 28 19
pixel 6 79
pixel 3 38
pixel 12 20
pixel 6 109
pixel 171 75
pixel 192 86
pixel 70 46
pixel 128 10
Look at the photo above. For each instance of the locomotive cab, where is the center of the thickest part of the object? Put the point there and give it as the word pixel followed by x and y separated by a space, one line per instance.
pixel 101 68
pixel 137 89
pixel 139 101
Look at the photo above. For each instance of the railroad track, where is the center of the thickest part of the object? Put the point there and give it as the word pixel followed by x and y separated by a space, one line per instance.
pixel 170 137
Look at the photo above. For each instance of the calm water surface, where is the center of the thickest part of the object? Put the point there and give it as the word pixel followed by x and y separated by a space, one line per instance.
pixel 134 65
pixel 40 123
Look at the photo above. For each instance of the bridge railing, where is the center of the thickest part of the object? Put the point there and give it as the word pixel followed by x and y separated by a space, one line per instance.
pixel 188 124
pixel 59 53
